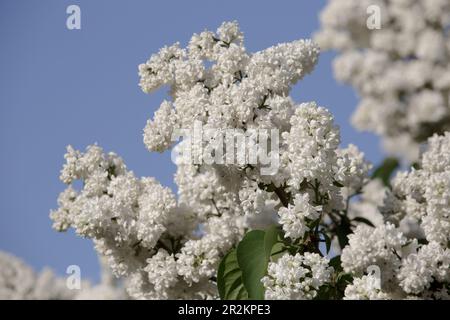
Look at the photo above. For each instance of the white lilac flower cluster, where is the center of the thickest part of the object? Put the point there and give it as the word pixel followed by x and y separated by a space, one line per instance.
pixel 244 91
pixel 365 288
pixel 170 247
pixel 401 71
pixel 293 218
pixel 412 247
pixel 422 196
pixel 296 277
pixel 18 281
pixel 135 223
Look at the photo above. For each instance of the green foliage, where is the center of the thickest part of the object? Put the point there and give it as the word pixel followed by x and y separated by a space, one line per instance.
pixel 327 242
pixel 335 290
pixel 364 220
pixel 385 170
pixel 241 270
pixel 252 260
pixel 273 241
pixel 343 230
pixel 229 278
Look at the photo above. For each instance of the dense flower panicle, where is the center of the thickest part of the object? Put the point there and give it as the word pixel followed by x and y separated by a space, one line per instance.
pixel 168 247
pixel 236 91
pixel 197 260
pixel 294 219
pixel 314 157
pixel 129 218
pixel 401 70
pixel 124 215
pixel 296 277
pixel 278 68
pixel 419 270
pixel 365 288
pixel 368 246
pixel 437 156
pixel 162 270
pixel 19 282
pixel 241 90
pixel 413 256
pixel 112 199
pixel 423 195
pixel 383 248
pixel 353 169
pixel 158 132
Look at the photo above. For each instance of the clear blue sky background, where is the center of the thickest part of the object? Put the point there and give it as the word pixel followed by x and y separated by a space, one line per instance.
pixel 60 86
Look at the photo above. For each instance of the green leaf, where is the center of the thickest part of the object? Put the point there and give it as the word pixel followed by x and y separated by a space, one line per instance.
pixel 271 238
pixel 335 262
pixel 342 231
pixel 241 270
pixel 278 250
pixel 385 170
pixel 343 279
pixel 229 278
pixel 364 220
pixel 327 242
pixel 338 184
pixel 324 293
pixel 252 260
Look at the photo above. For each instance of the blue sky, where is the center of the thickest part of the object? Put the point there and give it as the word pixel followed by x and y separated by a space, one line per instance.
pixel 60 86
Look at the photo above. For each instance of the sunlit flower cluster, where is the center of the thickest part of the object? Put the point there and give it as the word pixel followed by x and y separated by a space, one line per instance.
pixel 18 281
pixel 170 247
pixel 412 247
pixel 296 277
pixel 400 68
pixel 167 246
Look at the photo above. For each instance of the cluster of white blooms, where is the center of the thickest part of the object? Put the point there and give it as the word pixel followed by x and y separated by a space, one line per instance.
pixel 406 269
pixel 413 255
pixel 294 217
pixel 353 169
pixel 312 159
pixel 400 70
pixel 296 277
pixel 238 90
pixel 168 247
pixel 419 270
pixel 365 288
pixel 423 195
pixel 137 225
pixel 231 88
pixel 258 206
pixel 18 281
pixel 368 246
pixel 109 287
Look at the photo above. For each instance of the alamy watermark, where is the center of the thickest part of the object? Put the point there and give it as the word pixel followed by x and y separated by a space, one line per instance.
pixel 73 21
pixel 373 22
pixel 375 272
pixel 73 281
pixel 206 145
